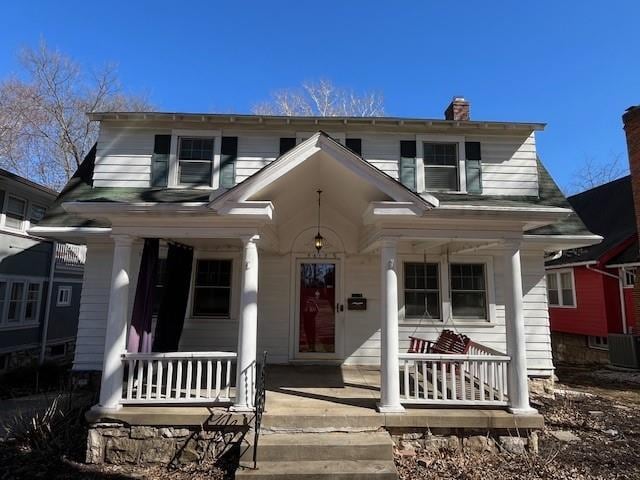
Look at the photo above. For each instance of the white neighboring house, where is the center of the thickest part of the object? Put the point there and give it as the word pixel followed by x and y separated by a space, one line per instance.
pixel 426 225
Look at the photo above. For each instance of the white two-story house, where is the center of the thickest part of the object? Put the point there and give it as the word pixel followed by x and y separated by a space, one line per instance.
pixel 214 237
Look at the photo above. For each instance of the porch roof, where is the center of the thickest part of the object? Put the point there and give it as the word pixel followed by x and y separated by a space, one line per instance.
pixel 80 189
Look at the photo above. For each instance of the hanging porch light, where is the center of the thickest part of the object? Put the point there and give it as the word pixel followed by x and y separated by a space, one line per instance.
pixel 319 239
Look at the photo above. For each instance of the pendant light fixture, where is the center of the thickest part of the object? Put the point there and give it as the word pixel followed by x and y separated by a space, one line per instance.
pixel 319 240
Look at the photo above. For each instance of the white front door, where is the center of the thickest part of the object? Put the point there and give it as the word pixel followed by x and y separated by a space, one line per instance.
pixel 319 310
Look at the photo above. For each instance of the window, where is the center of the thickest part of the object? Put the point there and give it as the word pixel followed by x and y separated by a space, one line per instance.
pixel 212 292
pixel 32 304
pixel 599 342
pixel 560 289
pixel 64 296
pixel 16 301
pixel 440 166
pixel 15 212
pixel 422 290
pixel 195 161
pixel 468 291
pixel 58 350
pixel 19 302
pixel 629 276
pixel 37 214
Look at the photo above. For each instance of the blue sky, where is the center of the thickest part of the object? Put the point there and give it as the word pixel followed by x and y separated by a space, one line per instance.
pixel 571 64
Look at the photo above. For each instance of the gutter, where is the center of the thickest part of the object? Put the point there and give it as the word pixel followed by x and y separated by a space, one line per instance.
pixel 47 310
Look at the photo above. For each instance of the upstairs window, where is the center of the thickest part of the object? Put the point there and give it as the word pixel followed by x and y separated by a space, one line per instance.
pixel 440 166
pixel 212 292
pixel 195 161
pixel 15 211
pixel 37 214
pixel 560 289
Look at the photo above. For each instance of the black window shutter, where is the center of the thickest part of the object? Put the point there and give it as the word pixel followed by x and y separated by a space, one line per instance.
pixel 473 167
pixel 160 161
pixel 354 144
pixel 286 144
pixel 407 167
pixel 228 155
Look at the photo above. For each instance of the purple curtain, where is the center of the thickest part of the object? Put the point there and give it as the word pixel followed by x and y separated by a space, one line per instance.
pixel 140 338
pixel 174 301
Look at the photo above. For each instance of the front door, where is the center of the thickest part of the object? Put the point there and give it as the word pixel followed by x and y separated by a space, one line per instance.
pixel 318 305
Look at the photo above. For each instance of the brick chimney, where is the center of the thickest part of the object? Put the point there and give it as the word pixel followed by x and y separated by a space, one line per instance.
pixel 631 121
pixel 458 109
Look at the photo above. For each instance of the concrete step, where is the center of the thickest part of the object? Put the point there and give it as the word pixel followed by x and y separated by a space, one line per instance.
pixel 322 470
pixel 319 446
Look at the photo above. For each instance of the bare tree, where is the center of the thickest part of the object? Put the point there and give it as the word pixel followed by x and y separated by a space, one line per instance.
pixel 44 131
pixel 324 99
pixel 593 173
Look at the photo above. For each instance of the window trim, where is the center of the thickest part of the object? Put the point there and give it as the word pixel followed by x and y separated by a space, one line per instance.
pixel 174 172
pixel 420 166
pixel 559 288
pixel 437 262
pixel 445 290
pixel 624 271
pixel 61 289
pixel 4 308
pixel 592 342
pixel 232 256
pixel 490 306
pixel 24 224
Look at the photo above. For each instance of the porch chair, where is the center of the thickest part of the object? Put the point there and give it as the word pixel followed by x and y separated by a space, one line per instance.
pixel 448 342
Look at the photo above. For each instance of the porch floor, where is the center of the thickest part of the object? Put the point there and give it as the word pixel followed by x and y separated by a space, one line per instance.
pixel 323 398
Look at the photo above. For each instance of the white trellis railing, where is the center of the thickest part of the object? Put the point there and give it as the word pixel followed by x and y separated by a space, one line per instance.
pixel 178 377
pixel 70 256
pixel 478 378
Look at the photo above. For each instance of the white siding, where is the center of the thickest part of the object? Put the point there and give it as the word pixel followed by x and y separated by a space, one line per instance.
pixel 509 165
pixel 124 157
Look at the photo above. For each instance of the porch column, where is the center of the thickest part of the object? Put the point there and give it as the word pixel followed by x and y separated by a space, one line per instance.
pixel 248 328
pixel 116 331
pixel 514 321
pixel 389 364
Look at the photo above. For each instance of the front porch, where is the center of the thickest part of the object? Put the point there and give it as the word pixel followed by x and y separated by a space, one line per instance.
pixel 322 398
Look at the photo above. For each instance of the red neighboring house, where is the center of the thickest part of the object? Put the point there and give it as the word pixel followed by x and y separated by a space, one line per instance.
pixel 590 289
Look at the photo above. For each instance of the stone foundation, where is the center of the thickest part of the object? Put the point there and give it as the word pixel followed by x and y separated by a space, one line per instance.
pixel 574 350
pixel 118 444
pixel 494 441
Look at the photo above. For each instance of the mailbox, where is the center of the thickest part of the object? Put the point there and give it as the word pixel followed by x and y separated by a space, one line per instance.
pixel 356 302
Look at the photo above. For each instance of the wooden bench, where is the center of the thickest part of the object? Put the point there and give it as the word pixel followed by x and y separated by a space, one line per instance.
pixel 448 342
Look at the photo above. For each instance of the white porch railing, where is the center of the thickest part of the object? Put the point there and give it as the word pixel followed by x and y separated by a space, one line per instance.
pixel 178 377
pixel 477 378
pixel 70 256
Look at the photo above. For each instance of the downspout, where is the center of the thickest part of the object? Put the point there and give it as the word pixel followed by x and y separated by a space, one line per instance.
pixel 47 309
pixel 620 291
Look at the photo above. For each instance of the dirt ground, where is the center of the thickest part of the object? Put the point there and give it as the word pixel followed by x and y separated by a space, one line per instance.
pixel 600 407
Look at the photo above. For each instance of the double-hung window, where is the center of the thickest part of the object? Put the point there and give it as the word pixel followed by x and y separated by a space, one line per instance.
pixel 468 291
pixel 15 212
pixel 195 161
pixel 440 166
pixel 560 289
pixel 37 213
pixel 629 276
pixel 422 290
pixel 64 296
pixel 19 302
pixel 212 290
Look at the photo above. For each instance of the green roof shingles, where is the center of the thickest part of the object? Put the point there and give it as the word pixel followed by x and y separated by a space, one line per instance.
pixel 80 189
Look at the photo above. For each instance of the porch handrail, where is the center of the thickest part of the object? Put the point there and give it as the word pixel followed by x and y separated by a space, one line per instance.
pixel 185 355
pixel 478 378
pixel 444 357
pixel 178 377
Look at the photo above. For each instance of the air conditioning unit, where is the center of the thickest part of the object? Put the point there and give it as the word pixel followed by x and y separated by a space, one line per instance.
pixel 624 350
